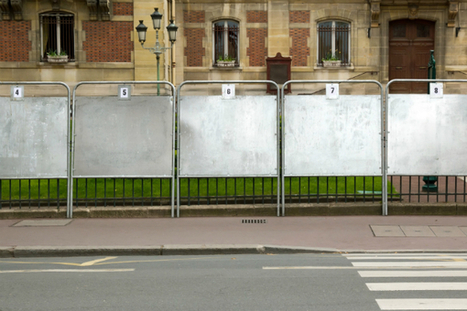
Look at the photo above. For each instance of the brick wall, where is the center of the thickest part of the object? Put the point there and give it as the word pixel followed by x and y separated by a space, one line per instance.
pixel 122 8
pixel 299 50
pixel 299 16
pixel 256 16
pixel 14 42
pixel 193 16
pixel 108 41
pixel 194 50
pixel 257 50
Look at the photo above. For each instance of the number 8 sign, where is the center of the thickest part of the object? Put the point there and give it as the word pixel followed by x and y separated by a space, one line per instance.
pixel 436 90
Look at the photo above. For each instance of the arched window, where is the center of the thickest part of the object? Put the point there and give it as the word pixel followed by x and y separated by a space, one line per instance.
pixel 226 33
pixel 334 41
pixel 57 34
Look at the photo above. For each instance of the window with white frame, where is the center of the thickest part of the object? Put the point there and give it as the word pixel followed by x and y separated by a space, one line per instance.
pixel 334 42
pixel 226 33
pixel 57 34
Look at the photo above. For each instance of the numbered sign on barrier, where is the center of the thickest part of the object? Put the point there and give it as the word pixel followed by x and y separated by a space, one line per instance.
pixel 332 91
pixel 17 92
pixel 228 91
pixel 436 90
pixel 124 92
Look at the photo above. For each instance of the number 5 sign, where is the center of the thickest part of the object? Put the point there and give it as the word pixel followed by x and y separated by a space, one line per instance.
pixel 332 91
pixel 124 92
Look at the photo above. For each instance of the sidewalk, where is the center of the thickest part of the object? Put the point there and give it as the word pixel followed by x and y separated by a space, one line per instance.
pixel 231 235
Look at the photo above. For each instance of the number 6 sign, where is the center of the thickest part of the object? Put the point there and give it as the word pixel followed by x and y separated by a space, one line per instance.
pixel 332 91
pixel 228 91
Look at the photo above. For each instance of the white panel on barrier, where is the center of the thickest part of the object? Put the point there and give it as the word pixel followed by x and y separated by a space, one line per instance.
pixel 123 138
pixel 426 135
pixel 33 137
pixel 228 137
pixel 337 137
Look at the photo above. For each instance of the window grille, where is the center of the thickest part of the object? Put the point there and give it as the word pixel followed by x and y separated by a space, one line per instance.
pixel 57 34
pixel 226 34
pixel 334 40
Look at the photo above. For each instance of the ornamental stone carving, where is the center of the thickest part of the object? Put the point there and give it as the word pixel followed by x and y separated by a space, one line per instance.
pixel 5 10
pixel 413 11
pixel 375 11
pixel 453 10
pixel 17 9
pixel 105 9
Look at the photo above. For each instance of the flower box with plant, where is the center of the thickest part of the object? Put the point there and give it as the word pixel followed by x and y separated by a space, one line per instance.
pixel 54 57
pixel 332 60
pixel 225 61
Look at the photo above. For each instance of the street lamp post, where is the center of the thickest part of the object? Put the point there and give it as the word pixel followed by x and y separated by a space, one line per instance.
pixel 157 49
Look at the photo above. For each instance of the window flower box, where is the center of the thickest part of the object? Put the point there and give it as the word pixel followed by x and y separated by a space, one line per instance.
pixel 331 63
pixel 58 59
pixel 225 63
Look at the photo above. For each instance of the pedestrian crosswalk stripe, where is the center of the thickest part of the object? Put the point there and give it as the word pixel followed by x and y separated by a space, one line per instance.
pixel 411 286
pixel 438 257
pixel 418 274
pixel 422 304
pixel 447 264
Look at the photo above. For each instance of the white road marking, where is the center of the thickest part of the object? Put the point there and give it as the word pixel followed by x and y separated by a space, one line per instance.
pixel 66 270
pixel 444 264
pixel 411 286
pixel 422 304
pixel 408 274
pixel 409 257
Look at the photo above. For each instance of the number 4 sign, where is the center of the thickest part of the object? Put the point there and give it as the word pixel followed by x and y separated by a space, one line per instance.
pixel 436 90
pixel 332 91
pixel 17 92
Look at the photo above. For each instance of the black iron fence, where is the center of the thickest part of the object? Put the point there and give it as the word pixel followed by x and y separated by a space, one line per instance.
pixel 96 192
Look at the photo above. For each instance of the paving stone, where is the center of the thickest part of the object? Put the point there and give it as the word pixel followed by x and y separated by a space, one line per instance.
pixel 43 223
pixel 447 231
pixel 417 231
pixel 388 231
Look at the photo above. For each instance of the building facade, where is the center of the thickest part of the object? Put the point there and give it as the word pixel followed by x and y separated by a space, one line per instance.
pixel 230 40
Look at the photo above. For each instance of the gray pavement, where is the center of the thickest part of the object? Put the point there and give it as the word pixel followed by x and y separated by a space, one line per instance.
pixel 231 235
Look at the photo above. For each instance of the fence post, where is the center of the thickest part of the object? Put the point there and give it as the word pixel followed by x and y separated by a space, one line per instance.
pixel 430 181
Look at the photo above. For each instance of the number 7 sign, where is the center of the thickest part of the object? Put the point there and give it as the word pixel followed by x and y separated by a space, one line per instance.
pixel 332 91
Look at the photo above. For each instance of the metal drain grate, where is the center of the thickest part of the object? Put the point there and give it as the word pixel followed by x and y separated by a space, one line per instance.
pixel 253 221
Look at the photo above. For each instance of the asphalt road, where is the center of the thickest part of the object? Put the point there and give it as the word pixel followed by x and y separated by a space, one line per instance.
pixel 243 282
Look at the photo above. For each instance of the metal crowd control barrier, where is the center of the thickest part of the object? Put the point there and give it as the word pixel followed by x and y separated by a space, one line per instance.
pixel 35 134
pixel 228 135
pixel 332 134
pixel 124 136
pixel 426 132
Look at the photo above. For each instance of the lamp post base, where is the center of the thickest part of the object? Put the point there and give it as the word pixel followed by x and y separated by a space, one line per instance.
pixel 430 184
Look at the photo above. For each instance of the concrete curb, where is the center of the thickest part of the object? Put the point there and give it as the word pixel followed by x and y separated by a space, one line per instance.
pixel 191 249
pixel 242 210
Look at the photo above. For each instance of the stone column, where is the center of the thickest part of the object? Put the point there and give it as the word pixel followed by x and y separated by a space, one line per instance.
pixel 278 31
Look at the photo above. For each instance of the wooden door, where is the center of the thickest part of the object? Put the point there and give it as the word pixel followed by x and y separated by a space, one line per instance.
pixel 410 43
